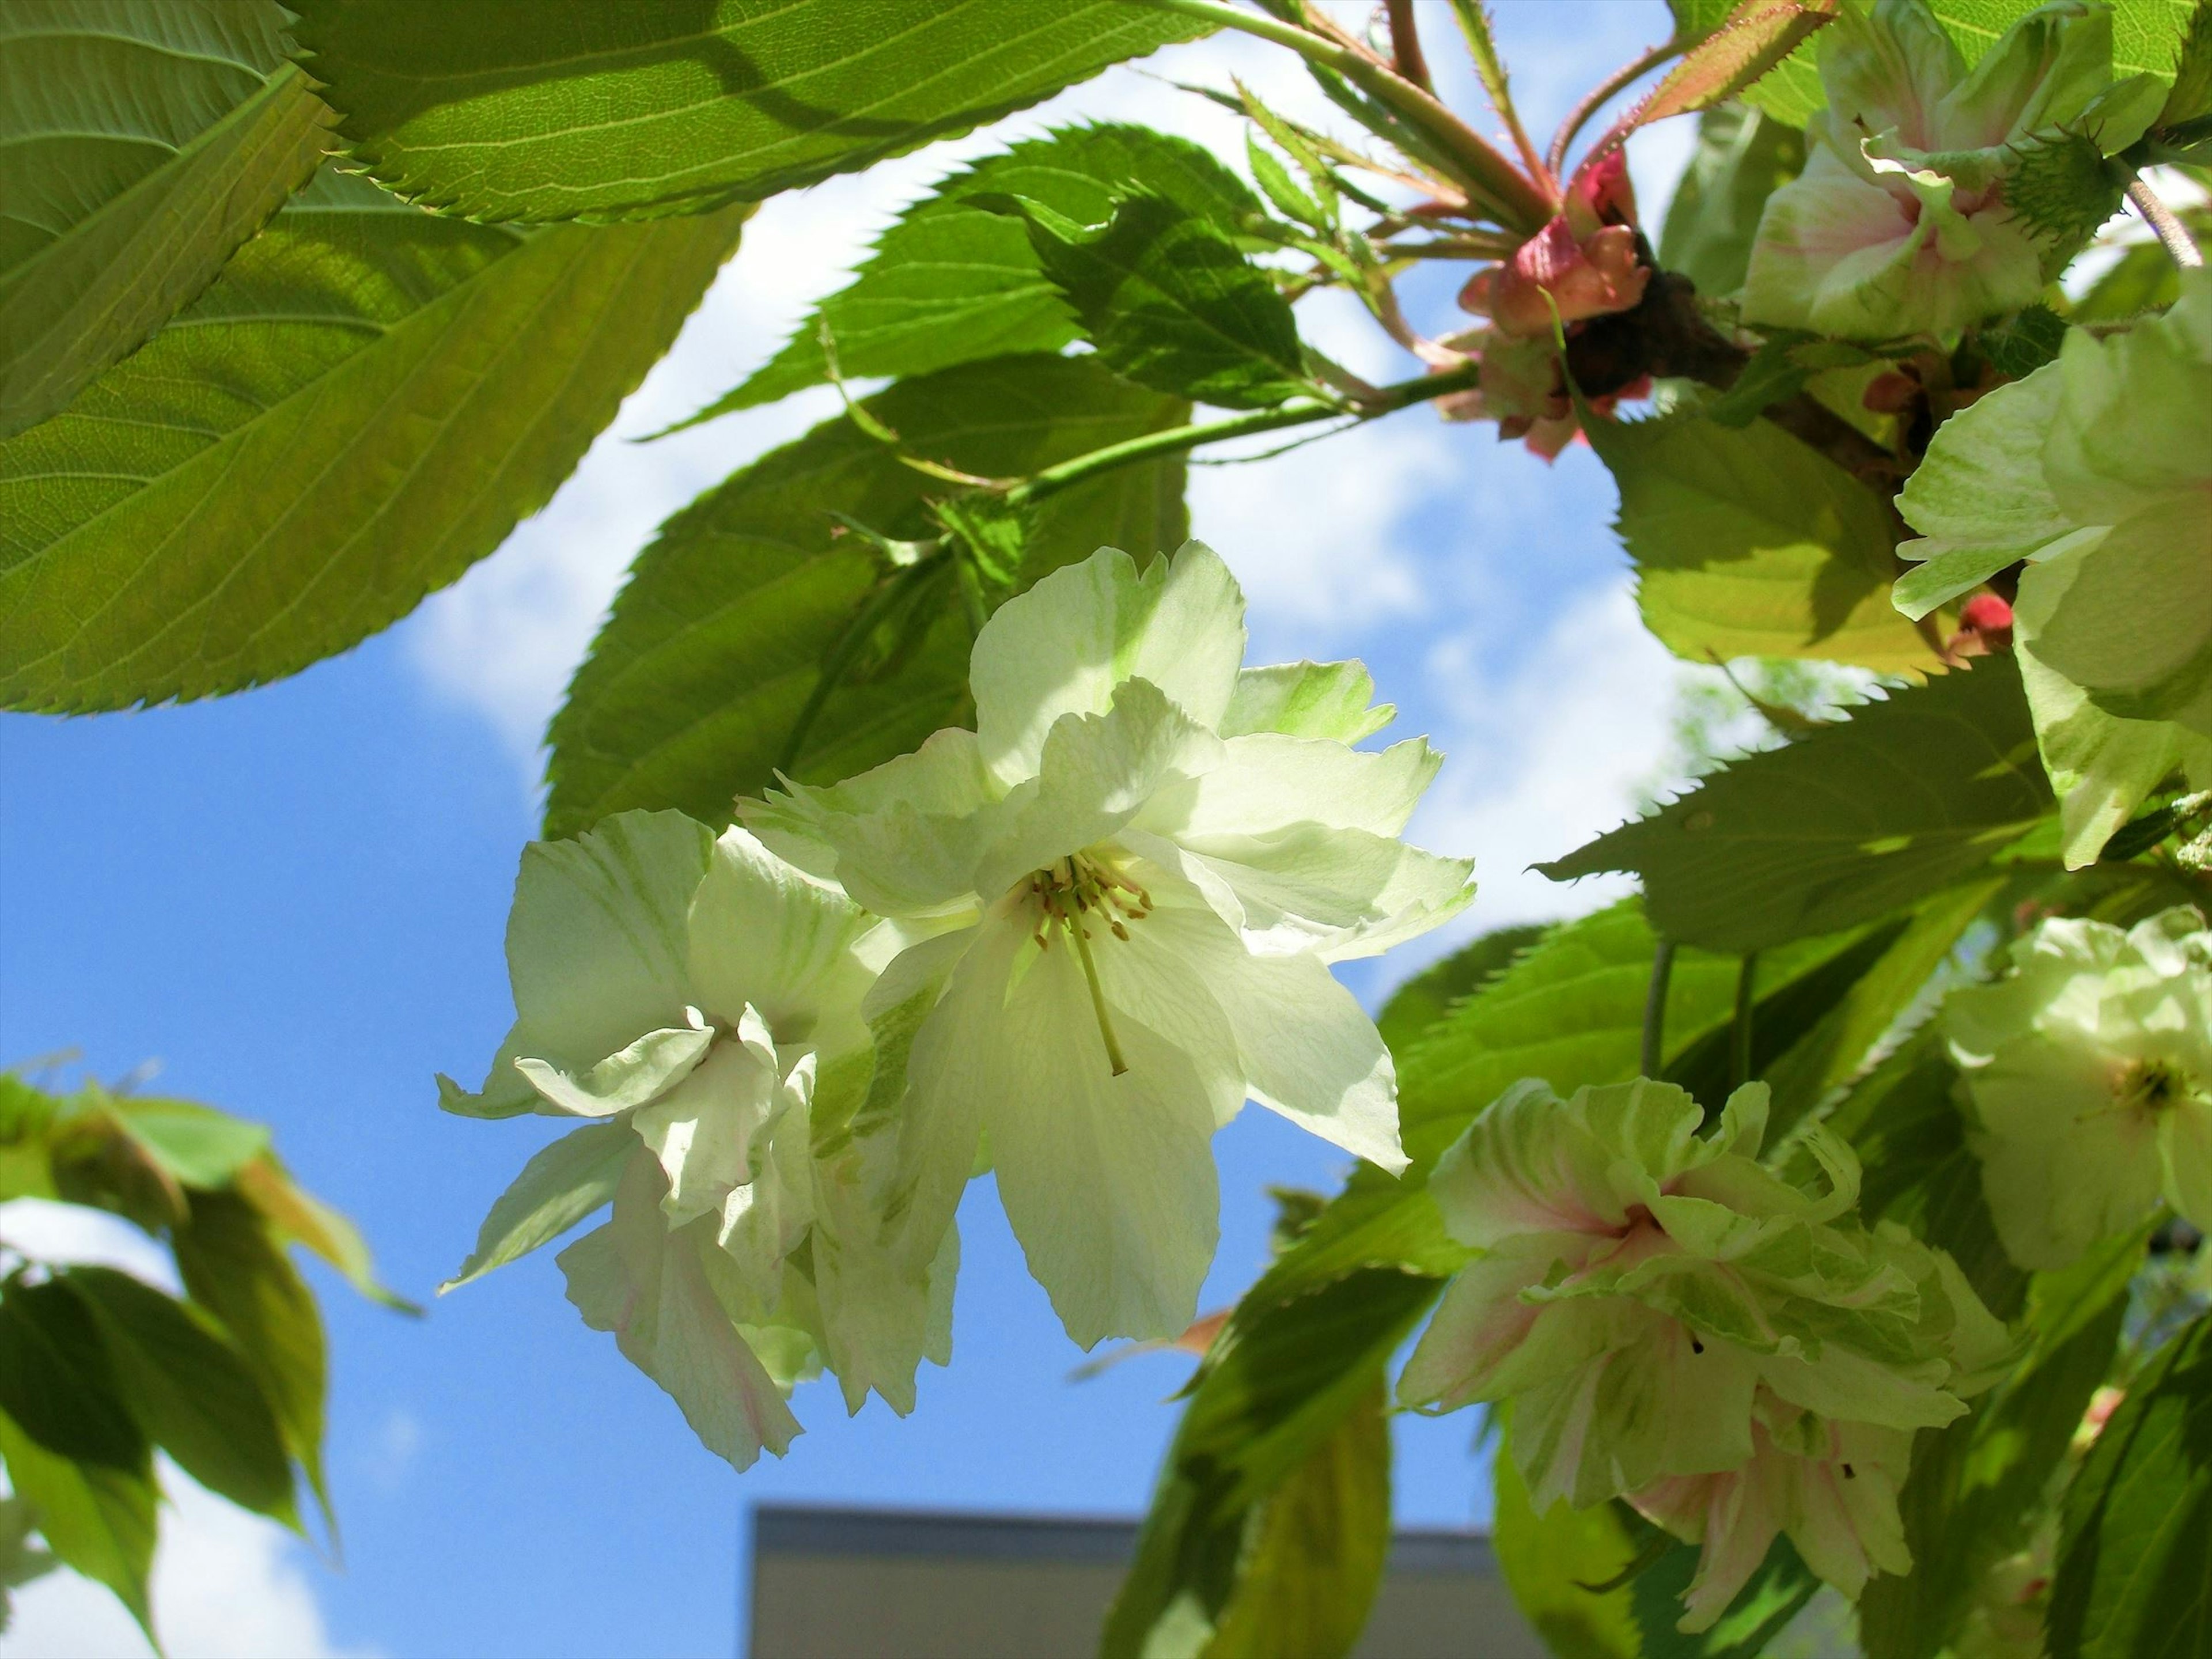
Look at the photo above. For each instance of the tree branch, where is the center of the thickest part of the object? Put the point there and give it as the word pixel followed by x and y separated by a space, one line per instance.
pixel 1514 200
pixel 1302 411
pixel 2165 224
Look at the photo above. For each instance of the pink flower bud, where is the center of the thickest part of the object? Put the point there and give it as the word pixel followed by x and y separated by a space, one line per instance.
pixel 1601 194
pixel 1553 274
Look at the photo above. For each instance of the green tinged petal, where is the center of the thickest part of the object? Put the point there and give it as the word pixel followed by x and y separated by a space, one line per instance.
pixel 1108 1181
pixel 2097 471
pixel 564 1182
pixel 1063 647
pixel 596 948
pixel 1268 781
pixel 767 936
pixel 649 1286
pixel 1306 700
pixel 639 1071
pixel 1097 774
pixel 1980 498
pixel 702 1131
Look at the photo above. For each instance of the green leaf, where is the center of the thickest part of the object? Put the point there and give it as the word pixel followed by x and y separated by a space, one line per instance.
pixel 1762 1609
pixel 561 1184
pixel 2191 95
pixel 359 410
pixel 1281 1384
pixel 27 1120
pixel 144 147
pixel 1742 157
pixel 1748 542
pixel 1548 1560
pixel 297 1216
pixel 694 687
pixel 1424 999
pixel 2135 1552
pixel 1169 301
pixel 2147 38
pixel 1812 1030
pixel 510 111
pixel 189 1390
pixel 1569 1012
pixel 20 1560
pixel 1976 1490
pixel 1314 1558
pixel 952 282
pixel 1904 1122
pixel 99 1522
pixel 2143 279
pixel 197 1144
pixel 2147 34
pixel 57 1380
pixel 1865 816
pixel 238 1275
pixel 2021 344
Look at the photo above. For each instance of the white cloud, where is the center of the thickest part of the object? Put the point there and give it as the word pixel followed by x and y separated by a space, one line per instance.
pixel 1317 540
pixel 46 1231
pixel 1542 760
pixel 225 1584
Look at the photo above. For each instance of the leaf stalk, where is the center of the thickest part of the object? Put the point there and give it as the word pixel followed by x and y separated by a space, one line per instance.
pixel 1507 194
pixel 1299 411
pixel 2165 225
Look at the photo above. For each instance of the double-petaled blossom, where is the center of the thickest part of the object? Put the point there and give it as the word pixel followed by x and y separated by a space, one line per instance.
pixel 1653 1302
pixel 2089 1067
pixel 1900 224
pixel 1584 262
pixel 699 1000
pixel 1126 885
pixel 1831 1487
pixel 2097 471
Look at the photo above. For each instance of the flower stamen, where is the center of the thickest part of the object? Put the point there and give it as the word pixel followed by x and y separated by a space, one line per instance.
pixel 1071 891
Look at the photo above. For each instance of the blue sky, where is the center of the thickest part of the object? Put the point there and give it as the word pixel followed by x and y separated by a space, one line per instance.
pixel 294 900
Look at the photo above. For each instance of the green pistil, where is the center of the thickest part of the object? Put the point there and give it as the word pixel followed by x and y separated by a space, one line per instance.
pixel 2151 1085
pixel 1098 996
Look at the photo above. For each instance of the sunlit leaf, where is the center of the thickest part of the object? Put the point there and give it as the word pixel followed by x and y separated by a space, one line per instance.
pixel 1748 542
pixel 510 111
pixel 696 686
pixel 359 410
pixel 1170 302
pixel 1864 816
pixel 188 1389
pixel 145 144
pixel 99 1522
pixel 2137 1551
pixel 1742 157
pixel 951 283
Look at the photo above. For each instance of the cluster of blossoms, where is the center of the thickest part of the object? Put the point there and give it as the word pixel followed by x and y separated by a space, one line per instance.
pixel 2089 1071
pixel 2096 470
pixel 1066 946
pixel 1675 1324
pixel 1585 262
pixel 1900 223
